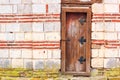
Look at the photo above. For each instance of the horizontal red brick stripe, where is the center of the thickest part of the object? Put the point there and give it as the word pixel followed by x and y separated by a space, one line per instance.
pixel 106 14
pixel 29 21
pixel 111 46
pixel 23 15
pixel 13 18
pixel 30 45
pixel 107 43
pixel 98 42
pixel 106 18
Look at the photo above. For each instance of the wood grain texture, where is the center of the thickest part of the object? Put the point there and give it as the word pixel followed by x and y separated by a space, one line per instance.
pixel 72 31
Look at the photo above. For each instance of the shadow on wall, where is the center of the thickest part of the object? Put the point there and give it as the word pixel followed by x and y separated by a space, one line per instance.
pixel 112 63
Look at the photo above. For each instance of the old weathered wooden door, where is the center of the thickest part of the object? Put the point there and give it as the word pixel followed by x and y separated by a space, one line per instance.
pixel 75 43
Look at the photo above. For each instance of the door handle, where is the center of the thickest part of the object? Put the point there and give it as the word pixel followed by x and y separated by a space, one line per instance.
pixel 82 40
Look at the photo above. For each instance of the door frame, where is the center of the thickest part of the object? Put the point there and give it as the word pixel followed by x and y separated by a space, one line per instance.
pixel 81 2
pixel 63 39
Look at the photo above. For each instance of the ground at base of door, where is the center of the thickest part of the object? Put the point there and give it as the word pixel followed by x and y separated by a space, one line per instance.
pixel 63 78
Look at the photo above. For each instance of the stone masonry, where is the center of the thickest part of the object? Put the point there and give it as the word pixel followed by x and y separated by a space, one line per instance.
pixel 105 34
pixel 30 34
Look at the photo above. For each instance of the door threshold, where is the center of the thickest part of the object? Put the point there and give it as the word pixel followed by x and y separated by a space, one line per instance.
pixel 77 74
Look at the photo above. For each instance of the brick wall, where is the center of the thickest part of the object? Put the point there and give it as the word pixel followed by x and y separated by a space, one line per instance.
pixel 106 34
pixel 29 33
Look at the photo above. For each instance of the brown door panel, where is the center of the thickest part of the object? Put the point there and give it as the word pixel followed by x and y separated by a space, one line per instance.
pixel 76 52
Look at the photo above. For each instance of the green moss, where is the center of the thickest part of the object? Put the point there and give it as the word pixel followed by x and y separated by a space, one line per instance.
pixel 35 74
pixel 113 72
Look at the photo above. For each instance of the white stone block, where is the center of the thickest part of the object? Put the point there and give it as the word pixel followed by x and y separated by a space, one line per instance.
pixel 28 63
pixel 26 1
pixel 102 52
pixel 93 26
pixel 15 53
pixel 98 35
pixel 49 1
pixel 26 53
pixel 97 62
pixel 15 9
pixel 57 26
pixel 4 1
pixel 36 1
pixel 95 53
pixel 109 26
pixel 17 63
pixel 4 53
pixel 111 53
pixel 19 36
pixel 46 1
pixel 56 54
pixel 117 26
pixel 54 26
pixel 110 36
pixel 54 8
pixel 28 36
pixel 38 36
pixel 15 1
pixel 52 36
pixel 49 26
pixel 99 26
pixel 2 27
pixel 26 27
pixel 49 53
pixel 5 63
pixel 118 36
pixel 37 27
pixel 39 8
pixel 111 8
pixel 110 1
pixel 9 36
pixel 53 63
pixel 110 63
pixel 37 54
pixel 98 8
pixel 58 63
pixel 2 36
pixel 38 64
pixel 118 1
pixel 24 9
pixel 4 9
pixel 12 27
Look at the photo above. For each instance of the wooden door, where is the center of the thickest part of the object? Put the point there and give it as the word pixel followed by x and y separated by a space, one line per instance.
pixel 75 43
